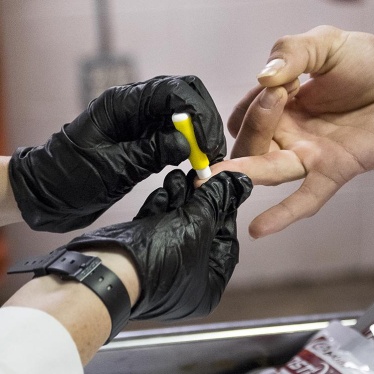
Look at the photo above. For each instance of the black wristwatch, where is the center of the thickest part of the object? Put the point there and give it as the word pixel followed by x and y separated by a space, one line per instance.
pixel 71 265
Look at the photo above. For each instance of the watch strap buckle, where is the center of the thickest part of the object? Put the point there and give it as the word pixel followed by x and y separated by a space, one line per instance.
pixel 67 264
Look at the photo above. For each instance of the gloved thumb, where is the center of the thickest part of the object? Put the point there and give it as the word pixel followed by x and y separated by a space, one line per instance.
pixel 172 195
pixel 146 156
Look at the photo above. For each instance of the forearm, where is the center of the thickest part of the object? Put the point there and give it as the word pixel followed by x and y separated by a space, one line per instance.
pixel 75 306
pixel 9 212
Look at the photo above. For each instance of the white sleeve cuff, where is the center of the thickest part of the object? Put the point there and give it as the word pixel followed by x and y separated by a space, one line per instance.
pixel 33 342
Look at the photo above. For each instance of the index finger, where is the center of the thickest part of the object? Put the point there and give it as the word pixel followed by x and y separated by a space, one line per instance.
pixel 260 122
pixel 236 118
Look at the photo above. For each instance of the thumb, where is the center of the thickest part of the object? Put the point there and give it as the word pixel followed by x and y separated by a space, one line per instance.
pixel 293 55
pixel 169 147
pixel 157 202
pixel 150 155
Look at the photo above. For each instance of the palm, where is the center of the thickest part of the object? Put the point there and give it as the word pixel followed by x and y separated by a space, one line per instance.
pixel 332 145
pixel 327 125
pixel 332 149
pixel 326 148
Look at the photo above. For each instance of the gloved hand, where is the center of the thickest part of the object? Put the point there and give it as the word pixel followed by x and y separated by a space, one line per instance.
pixel 124 136
pixel 183 244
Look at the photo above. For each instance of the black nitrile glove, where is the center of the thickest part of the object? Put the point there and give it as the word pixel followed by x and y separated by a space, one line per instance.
pixel 124 136
pixel 183 243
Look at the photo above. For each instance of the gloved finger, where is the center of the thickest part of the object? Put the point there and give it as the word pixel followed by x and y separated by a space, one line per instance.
pixel 175 184
pixel 188 94
pixel 294 55
pixel 157 202
pixel 315 191
pixel 192 183
pixel 150 155
pixel 208 124
pixel 171 196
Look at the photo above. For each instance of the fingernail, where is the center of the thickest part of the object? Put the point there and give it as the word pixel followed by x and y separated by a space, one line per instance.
pixel 272 68
pixel 269 98
pixel 251 238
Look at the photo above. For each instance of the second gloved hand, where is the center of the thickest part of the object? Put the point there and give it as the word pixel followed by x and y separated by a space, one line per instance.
pixel 125 135
pixel 183 243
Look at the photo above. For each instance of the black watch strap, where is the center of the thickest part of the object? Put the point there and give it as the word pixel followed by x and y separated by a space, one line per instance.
pixel 71 265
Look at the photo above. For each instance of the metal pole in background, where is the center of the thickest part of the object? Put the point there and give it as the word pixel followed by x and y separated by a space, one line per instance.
pixel 103 27
pixel 106 69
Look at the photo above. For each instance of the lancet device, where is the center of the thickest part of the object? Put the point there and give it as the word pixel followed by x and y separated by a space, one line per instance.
pixel 198 159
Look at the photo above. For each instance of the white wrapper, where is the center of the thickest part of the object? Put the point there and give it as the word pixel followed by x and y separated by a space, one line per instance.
pixel 333 350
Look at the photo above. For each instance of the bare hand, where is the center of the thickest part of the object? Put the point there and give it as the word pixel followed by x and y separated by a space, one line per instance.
pixel 322 131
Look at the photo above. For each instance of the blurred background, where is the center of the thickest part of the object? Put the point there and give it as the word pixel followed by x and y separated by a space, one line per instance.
pixel 57 55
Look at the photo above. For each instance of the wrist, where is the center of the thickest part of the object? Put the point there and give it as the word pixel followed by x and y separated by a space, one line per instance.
pixel 122 265
pixel 77 306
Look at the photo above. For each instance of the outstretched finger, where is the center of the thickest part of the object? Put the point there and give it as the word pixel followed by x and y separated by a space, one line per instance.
pixel 271 169
pixel 235 120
